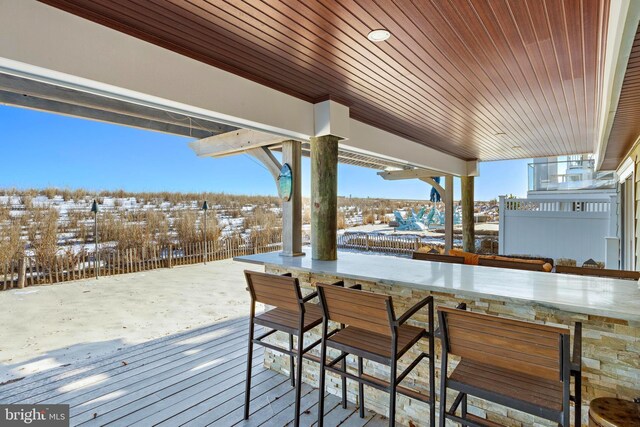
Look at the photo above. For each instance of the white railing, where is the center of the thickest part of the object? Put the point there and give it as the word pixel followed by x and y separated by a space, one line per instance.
pixel 560 228
pixel 574 174
pixel 557 205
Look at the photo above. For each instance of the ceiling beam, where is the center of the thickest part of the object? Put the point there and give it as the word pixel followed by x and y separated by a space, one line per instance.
pixel 367 139
pixel 46 91
pixel 409 174
pixel 235 142
pixel 28 101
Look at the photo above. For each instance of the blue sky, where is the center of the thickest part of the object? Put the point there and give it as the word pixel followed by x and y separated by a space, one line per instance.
pixel 47 150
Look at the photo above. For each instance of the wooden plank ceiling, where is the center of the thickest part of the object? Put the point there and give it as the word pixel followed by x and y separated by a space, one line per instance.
pixel 626 124
pixel 479 79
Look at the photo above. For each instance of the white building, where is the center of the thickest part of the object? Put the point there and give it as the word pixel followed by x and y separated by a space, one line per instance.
pixel 570 211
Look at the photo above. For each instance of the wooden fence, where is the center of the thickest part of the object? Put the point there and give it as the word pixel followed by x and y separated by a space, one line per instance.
pixel 30 271
pixel 396 244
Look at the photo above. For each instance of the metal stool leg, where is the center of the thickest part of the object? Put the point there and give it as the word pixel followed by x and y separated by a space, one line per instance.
pixel 432 367
pixel 323 358
pixel 296 420
pixel 463 406
pixel 292 376
pixel 247 389
pixel 360 388
pixel 344 379
pixel 392 391
pixel 443 394
pixel 578 399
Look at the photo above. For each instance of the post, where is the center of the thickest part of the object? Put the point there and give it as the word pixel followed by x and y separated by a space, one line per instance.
pixel 22 272
pixel 468 230
pixel 502 224
pixel 96 259
pixel 292 208
pixel 448 213
pixel 324 197
pixel 96 255
pixel 612 241
pixel 205 208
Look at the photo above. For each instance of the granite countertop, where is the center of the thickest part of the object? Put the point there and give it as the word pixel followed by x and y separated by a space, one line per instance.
pixel 614 298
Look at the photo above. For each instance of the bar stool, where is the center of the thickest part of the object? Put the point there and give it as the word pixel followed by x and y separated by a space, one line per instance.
pixel 521 365
pixel 292 314
pixel 612 412
pixel 374 333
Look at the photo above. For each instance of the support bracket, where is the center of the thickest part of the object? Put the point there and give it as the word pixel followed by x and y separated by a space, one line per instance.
pixel 266 157
pixel 434 184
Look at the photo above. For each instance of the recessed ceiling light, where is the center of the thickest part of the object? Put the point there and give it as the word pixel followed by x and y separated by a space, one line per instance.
pixel 379 35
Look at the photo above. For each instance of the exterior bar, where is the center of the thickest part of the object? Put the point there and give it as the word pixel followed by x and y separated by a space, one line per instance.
pixel 450 85
pixel 609 310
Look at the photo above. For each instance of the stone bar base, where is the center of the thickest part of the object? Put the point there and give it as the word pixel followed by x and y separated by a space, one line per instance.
pixel 610 354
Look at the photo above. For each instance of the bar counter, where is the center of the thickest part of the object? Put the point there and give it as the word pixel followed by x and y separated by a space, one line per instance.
pixel 608 308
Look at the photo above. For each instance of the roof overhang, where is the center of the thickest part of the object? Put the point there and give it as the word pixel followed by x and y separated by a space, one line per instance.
pixel 49 46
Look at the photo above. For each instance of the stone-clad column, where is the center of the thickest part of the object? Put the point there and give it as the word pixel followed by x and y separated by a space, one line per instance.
pixel 324 197
pixel 468 230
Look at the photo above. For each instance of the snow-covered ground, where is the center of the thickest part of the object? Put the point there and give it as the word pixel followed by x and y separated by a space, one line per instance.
pixel 49 326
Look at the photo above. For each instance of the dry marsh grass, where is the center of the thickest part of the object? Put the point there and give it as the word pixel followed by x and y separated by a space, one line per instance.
pixel 43 235
pixel 11 243
pixel 139 219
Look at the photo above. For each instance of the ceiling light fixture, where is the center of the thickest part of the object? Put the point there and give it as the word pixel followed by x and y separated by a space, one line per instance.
pixel 500 133
pixel 380 35
pixel 515 147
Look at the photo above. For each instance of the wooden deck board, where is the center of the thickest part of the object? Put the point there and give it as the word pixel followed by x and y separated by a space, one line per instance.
pixel 194 378
pixel 134 357
pixel 127 406
pixel 157 375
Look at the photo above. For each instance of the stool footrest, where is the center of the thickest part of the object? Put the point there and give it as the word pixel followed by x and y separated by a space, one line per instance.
pixel 422 397
pixel 482 421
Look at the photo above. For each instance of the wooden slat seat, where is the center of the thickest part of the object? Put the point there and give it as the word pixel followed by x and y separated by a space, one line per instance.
pixel 288 321
pixel 506 383
pixel 374 346
pixel 522 365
